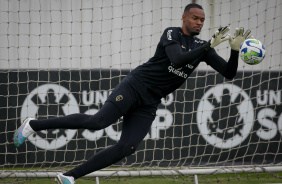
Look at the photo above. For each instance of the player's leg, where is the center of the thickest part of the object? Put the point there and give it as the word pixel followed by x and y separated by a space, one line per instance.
pixel 134 129
pixel 122 99
pixel 107 115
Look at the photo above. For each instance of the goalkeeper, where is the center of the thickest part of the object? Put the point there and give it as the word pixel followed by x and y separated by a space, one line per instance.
pixel 136 98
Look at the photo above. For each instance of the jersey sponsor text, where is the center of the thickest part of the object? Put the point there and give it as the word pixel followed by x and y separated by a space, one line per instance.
pixel 177 72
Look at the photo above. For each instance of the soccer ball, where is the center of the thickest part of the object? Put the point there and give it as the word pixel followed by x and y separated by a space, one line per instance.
pixel 252 51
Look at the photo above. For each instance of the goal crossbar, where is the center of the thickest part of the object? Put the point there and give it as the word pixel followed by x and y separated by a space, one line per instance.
pixel 194 171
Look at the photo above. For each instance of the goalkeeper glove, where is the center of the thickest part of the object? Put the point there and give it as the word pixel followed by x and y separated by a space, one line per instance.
pixel 218 37
pixel 239 38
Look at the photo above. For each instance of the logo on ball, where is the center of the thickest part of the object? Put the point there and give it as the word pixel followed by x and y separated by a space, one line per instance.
pixel 252 51
pixel 225 116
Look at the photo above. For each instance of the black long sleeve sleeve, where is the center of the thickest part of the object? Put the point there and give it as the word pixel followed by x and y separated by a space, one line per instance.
pixel 179 58
pixel 227 69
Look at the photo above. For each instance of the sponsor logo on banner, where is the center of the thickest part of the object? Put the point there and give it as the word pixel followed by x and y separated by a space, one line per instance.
pixel 225 116
pixel 200 119
pixel 50 101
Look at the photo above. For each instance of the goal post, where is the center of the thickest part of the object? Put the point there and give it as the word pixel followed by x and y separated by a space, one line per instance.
pixel 158 172
pixel 60 57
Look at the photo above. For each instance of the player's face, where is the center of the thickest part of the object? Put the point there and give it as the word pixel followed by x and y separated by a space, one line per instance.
pixel 193 21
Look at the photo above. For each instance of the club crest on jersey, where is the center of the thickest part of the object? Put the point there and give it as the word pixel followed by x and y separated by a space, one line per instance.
pixel 169 34
pixel 119 98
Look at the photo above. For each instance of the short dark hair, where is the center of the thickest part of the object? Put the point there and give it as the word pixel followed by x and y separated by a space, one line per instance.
pixel 192 5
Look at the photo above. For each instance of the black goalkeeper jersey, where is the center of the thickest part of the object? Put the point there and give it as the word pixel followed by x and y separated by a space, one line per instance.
pixel 161 76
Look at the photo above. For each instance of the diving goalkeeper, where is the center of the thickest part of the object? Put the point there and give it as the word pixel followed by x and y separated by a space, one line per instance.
pixel 136 98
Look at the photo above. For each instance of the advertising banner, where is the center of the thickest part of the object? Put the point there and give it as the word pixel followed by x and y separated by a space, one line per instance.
pixel 207 121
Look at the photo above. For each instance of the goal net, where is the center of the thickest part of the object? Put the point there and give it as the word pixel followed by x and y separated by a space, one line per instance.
pixel 60 57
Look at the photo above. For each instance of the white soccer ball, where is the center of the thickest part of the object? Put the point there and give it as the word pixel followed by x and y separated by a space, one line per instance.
pixel 252 51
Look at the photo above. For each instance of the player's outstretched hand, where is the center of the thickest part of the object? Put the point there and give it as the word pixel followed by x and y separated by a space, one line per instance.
pixel 239 38
pixel 218 36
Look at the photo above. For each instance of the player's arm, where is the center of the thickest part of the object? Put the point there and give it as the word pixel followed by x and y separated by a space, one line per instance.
pixel 180 59
pixel 228 69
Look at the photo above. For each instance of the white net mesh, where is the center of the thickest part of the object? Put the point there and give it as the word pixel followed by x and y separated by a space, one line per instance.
pixel 60 57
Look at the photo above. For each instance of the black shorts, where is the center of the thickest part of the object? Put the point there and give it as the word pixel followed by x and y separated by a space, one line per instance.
pixel 128 100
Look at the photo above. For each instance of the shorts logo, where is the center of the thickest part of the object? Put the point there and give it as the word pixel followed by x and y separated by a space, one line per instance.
pixel 119 98
pixel 225 116
pixel 50 101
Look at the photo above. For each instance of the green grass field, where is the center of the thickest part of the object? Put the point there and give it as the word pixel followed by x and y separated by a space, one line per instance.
pixel 253 178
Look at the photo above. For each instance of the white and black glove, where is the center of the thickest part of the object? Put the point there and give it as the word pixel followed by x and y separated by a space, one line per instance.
pixel 239 38
pixel 219 37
